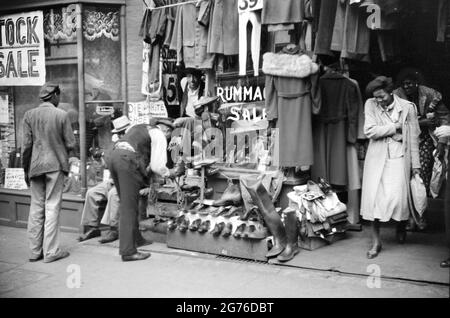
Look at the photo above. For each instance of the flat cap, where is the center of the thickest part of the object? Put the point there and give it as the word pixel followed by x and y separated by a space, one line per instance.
pixel 47 90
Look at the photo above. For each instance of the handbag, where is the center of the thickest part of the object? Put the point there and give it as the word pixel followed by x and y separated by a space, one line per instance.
pixel 419 194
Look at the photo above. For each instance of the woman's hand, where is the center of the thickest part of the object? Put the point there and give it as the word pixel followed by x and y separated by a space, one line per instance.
pixel 442 132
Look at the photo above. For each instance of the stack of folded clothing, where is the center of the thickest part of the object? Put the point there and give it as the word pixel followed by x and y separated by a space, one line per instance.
pixel 319 210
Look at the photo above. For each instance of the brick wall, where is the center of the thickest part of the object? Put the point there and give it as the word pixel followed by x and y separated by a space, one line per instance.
pixel 134 14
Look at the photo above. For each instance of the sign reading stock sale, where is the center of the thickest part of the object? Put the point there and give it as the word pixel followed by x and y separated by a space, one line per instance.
pixel 22 55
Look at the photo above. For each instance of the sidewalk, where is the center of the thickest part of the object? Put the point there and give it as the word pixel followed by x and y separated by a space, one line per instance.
pixel 172 273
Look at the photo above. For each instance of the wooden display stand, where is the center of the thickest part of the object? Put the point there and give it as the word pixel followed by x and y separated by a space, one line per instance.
pixel 227 246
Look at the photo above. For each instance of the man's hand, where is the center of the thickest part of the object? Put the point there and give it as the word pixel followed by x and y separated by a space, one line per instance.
pixel 443 131
pixel 175 143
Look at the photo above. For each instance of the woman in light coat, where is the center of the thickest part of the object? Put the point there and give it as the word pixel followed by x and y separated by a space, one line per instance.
pixel 392 156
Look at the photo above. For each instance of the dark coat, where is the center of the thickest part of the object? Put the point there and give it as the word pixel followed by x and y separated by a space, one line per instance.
pixel 335 127
pixel 47 140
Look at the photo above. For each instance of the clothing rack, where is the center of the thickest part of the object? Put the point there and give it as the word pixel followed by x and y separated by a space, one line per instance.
pixel 172 5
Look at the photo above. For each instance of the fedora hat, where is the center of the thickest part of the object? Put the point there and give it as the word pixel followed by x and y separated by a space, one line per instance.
pixel 205 100
pixel 120 124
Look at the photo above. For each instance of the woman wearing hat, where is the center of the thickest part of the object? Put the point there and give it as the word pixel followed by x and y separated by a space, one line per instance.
pixel 392 157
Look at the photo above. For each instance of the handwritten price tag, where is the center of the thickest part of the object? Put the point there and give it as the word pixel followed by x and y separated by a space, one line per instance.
pixel 249 5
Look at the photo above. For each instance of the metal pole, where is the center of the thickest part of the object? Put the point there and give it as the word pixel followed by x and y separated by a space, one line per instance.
pixel 123 34
pixel 81 105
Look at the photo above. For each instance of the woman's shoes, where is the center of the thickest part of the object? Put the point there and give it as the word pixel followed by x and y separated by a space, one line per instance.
pixel 374 252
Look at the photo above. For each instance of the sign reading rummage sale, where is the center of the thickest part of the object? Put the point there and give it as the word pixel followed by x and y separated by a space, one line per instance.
pixel 22 55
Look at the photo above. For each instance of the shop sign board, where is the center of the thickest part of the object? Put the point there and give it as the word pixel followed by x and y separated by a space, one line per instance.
pixel 141 112
pixel 22 55
pixel 249 5
pixel 15 179
pixel 4 109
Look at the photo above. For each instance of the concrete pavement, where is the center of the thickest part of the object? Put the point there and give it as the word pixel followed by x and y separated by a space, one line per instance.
pixel 97 271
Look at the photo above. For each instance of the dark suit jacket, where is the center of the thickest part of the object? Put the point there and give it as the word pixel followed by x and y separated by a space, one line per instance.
pixel 47 140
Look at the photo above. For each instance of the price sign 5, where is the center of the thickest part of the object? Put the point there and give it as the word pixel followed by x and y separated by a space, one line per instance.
pixel 249 5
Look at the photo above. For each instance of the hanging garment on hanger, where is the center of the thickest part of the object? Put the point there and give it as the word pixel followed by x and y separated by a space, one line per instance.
pixel 253 17
pixel 335 128
pixel 190 36
pixel 285 11
pixel 325 27
pixel 223 37
pixel 443 13
pixel 290 101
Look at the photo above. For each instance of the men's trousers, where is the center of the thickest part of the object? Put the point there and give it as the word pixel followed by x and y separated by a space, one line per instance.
pixel 43 219
pixel 129 179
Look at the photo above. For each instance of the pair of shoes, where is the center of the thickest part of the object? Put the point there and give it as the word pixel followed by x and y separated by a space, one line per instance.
pixel 446 263
pixel 184 225
pixel 218 229
pixel 195 225
pixel 374 252
pixel 135 257
pixel 111 236
pixel 41 256
pixel 228 230
pixel 93 232
pixel 58 256
pixel 204 227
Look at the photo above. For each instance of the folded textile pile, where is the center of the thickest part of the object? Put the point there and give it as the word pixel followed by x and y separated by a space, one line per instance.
pixel 319 210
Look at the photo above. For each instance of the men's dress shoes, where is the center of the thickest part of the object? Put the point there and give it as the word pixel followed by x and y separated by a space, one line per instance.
pixel 143 242
pixel 93 232
pixel 111 236
pixel 228 229
pixel 60 255
pixel 195 225
pixel 37 258
pixel 239 231
pixel 204 227
pixel 135 257
pixel 218 229
pixel 184 225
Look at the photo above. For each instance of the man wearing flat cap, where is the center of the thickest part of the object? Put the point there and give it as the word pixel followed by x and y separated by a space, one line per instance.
pixel 140 152
pixel 47 141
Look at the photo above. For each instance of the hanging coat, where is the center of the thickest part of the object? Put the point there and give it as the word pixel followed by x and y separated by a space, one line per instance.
pixel 190 36
pixel 335 128
pixel 223 36
pixel 282 12
pixel 291 102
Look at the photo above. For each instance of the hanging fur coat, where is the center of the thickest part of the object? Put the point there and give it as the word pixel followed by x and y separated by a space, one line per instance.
pixel 291 101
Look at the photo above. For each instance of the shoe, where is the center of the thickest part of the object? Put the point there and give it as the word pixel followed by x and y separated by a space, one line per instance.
pixel 143 242
pixel 195 225
pixel 111 236
pixel 250 214
pixel 135 257
pixel 228 229
pixel 411 226
pixel 400 233
pixel 234 211
pixel 184 225
pixel 292 231
pixel 374 252
pixel 446 263
pixel 239 231
pixel 221 211
pixel 255 233
pixel 93 232
pixel 60 255
pixel 218 229
pixel 173 224
pixel 37 258
pixel 231 196
pixel 204 227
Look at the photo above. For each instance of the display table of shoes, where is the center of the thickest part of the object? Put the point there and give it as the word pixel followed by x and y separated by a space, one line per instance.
pixel 219 230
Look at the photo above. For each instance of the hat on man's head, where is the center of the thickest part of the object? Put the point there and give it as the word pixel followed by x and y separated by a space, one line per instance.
pixel 48 89
pixel 120 124
pixel 205 100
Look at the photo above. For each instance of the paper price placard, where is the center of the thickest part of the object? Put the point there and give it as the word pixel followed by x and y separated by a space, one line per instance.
pixel 249 5
pixel 15 179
